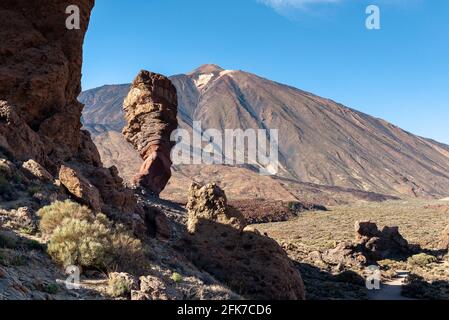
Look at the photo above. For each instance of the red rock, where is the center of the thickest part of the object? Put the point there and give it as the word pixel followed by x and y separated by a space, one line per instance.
pixel 151 113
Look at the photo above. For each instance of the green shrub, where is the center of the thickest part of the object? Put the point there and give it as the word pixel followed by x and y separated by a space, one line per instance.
pixel 53 215
pixel 421 260
pixel 80 242
pixel 119 286
pixel 176 277
pixel 80 237
pixel 51 288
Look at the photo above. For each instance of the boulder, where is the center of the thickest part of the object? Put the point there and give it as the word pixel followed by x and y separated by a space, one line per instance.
pixel 254 266
pixel 154 288
pixel 209 203
pixel 151 114
pixel 81 188
pixel 35 170
pixel 379 245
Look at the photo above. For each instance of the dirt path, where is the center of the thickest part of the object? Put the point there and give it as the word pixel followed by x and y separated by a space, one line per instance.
pixel 390 290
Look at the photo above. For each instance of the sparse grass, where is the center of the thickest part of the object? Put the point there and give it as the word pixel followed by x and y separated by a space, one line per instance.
pixel 12 258
pixel 421 222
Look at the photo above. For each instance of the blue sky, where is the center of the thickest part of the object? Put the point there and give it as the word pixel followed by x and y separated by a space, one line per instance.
pixel 399 73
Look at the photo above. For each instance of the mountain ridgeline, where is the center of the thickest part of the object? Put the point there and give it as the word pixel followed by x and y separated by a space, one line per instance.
pixel 321 142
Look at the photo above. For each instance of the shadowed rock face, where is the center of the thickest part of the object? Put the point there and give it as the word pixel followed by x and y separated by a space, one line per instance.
pixel 370 246
pixel 378 245
pixel 219 242
pixel 40 80
pixel 151 113
pixel 40 74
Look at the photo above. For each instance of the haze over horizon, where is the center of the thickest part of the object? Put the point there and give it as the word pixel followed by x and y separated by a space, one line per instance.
pixel 399 73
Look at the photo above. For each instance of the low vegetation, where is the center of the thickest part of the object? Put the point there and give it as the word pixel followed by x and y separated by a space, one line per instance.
pixel 422 260
pixel 78 236
pixel 421 222
pixel 120 286
pixel 176 277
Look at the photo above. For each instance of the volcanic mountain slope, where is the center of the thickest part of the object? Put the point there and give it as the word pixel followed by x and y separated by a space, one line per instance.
pixel 320 141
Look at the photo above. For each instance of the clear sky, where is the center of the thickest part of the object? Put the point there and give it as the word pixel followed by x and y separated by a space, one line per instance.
pixel 399 73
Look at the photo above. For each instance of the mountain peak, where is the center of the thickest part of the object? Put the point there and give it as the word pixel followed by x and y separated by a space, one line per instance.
pixel 207 68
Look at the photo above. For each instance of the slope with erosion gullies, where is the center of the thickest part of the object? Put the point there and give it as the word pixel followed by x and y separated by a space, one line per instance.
pixel 320 141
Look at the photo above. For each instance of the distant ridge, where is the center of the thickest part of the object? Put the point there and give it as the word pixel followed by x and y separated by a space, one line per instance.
pixel 321 142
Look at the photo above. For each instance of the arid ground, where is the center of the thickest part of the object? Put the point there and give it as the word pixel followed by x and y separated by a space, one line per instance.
pixel 420 222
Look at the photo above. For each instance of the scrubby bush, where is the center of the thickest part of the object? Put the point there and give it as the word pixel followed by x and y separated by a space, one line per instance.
pixel 176 277
pixel 80 242
pixel 421 260
pixel 53 215
pixel 127 251
pixel 120 285
pixel 80 237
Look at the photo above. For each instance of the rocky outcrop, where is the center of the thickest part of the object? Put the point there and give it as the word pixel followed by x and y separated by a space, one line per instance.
pixel 40 77
pixel 35 170
pixel 370 246
pixel 378 245
pixel 40 80
pixel 151 113
pixel 254 266
pixel 209 203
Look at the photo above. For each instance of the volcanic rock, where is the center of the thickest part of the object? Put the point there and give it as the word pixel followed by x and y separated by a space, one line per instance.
pixel 210 203
pixel 254 266
pixel 378 245
pixel 40 80
pixel 80 187
pixel 37 171
pixel 151 113
pixel 370 246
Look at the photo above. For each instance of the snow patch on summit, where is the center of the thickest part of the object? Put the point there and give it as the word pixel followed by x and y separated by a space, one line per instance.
pixel 203 80
pixel 206 78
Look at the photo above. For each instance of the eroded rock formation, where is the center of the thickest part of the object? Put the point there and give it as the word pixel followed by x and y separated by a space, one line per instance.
pixel 370 246
pixel 40 80
pixel 253 265
pixel 151 113
pixel 378 245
